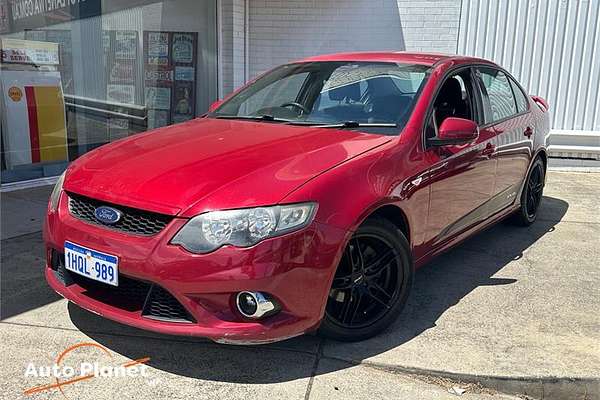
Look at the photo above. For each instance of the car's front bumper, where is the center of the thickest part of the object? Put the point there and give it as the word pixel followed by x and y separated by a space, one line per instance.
pixel 295 269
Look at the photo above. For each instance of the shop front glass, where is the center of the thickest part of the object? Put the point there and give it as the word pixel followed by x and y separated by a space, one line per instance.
pixel 78 74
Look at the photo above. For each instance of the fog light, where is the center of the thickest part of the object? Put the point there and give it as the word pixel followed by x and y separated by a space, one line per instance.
pixel 255 305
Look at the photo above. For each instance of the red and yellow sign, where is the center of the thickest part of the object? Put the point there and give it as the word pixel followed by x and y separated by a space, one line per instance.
pixel 36 130
pixel 47 131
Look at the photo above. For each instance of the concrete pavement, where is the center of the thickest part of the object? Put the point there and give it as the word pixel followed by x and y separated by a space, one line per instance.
pixel 512 309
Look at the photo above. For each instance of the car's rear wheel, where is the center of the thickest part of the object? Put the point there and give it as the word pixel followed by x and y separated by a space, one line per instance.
pixel 371 284
pixel 531 196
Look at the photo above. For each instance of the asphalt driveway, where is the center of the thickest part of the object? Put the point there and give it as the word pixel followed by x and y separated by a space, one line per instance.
pixel 512 309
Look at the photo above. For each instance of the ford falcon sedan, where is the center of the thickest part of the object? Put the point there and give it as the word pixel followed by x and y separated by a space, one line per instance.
pixel 303 202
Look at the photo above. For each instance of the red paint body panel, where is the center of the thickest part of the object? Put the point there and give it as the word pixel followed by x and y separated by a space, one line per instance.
pixel 445 195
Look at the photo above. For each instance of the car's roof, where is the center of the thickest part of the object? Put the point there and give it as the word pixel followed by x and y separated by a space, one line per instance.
pixel 395 56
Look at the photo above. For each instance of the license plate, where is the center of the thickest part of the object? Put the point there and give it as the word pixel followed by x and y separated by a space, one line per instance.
pixel 92 264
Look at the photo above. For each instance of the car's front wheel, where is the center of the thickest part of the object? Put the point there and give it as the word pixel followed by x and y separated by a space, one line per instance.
pixel 371 284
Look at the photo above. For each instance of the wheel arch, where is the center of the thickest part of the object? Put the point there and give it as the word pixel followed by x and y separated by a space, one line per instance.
pixel 393 214
pixel 541 153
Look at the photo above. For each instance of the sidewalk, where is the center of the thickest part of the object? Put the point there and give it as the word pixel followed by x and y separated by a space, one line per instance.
pixel 512 309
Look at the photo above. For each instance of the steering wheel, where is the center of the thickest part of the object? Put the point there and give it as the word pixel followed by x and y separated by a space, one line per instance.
pixel 296 105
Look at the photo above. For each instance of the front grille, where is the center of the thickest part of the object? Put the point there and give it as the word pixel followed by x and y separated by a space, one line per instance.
pixel 151 300
pixel 133 221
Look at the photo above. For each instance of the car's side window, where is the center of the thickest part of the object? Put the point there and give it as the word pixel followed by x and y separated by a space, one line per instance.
pixel 498 99
pixel 454 99
pixel 519 97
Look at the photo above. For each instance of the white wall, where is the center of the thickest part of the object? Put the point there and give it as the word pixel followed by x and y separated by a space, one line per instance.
pixel 281 31
pixel 256 35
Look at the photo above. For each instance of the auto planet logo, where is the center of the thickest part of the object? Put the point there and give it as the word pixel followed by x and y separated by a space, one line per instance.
pixel 63 373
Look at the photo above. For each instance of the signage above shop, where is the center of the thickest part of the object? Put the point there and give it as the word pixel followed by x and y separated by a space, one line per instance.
pixel 31 14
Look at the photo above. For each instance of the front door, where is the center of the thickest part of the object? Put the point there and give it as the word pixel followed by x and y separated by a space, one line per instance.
pixel 462 178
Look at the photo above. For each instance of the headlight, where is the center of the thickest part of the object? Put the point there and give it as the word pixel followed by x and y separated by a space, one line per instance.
pixel 55 196
pixel 243 228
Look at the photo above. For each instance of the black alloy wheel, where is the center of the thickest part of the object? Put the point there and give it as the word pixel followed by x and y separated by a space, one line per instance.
pixel 535 188
pixel 532 194
pixel 371 284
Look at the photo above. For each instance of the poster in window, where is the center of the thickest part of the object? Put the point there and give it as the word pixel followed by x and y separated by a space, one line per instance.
pixel 120 57
pixel 156 48
pixel 184 73
pixel 160 75
pixel 183 108
pixel 158 98
pixel 126 43
pixel 122 72
pixel 184 61
pixel 183 48
pixel 120 93
pixel 170 75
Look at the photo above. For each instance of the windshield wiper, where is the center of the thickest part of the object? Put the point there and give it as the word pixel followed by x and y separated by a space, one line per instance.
pixel 265 117
pixel 355 124
pixel 338 125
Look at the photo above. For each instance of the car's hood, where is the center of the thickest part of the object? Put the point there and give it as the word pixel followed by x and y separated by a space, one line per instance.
pixel 212 164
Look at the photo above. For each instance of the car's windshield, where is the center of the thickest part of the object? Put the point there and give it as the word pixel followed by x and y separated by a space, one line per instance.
pixel 349 94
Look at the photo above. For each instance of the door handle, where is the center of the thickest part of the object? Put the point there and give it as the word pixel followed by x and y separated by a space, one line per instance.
pixel 488 150
pixel 528 132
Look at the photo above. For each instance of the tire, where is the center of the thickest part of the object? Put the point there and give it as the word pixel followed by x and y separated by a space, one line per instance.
pixel 371 285
pixel 531 196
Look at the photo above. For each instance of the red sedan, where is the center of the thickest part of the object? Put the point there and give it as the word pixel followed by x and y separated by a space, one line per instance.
pixel 304 201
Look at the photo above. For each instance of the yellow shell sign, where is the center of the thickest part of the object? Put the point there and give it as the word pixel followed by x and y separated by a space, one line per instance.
pixel 15 93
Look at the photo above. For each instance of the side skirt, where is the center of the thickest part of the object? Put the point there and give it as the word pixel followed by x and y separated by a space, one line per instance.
pixel 466 234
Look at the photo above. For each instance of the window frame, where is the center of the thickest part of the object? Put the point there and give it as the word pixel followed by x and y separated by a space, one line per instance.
pixel 477 98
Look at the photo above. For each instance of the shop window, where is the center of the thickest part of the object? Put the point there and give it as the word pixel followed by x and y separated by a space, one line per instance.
pixel 100 73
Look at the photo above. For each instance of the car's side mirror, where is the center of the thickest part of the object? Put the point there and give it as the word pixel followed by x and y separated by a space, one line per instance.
pixel 215 105
pixel 454 131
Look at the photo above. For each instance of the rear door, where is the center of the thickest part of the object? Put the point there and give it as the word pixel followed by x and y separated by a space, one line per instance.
pixel 506 112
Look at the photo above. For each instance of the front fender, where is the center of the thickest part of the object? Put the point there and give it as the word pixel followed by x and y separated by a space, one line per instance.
pixel 351 192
